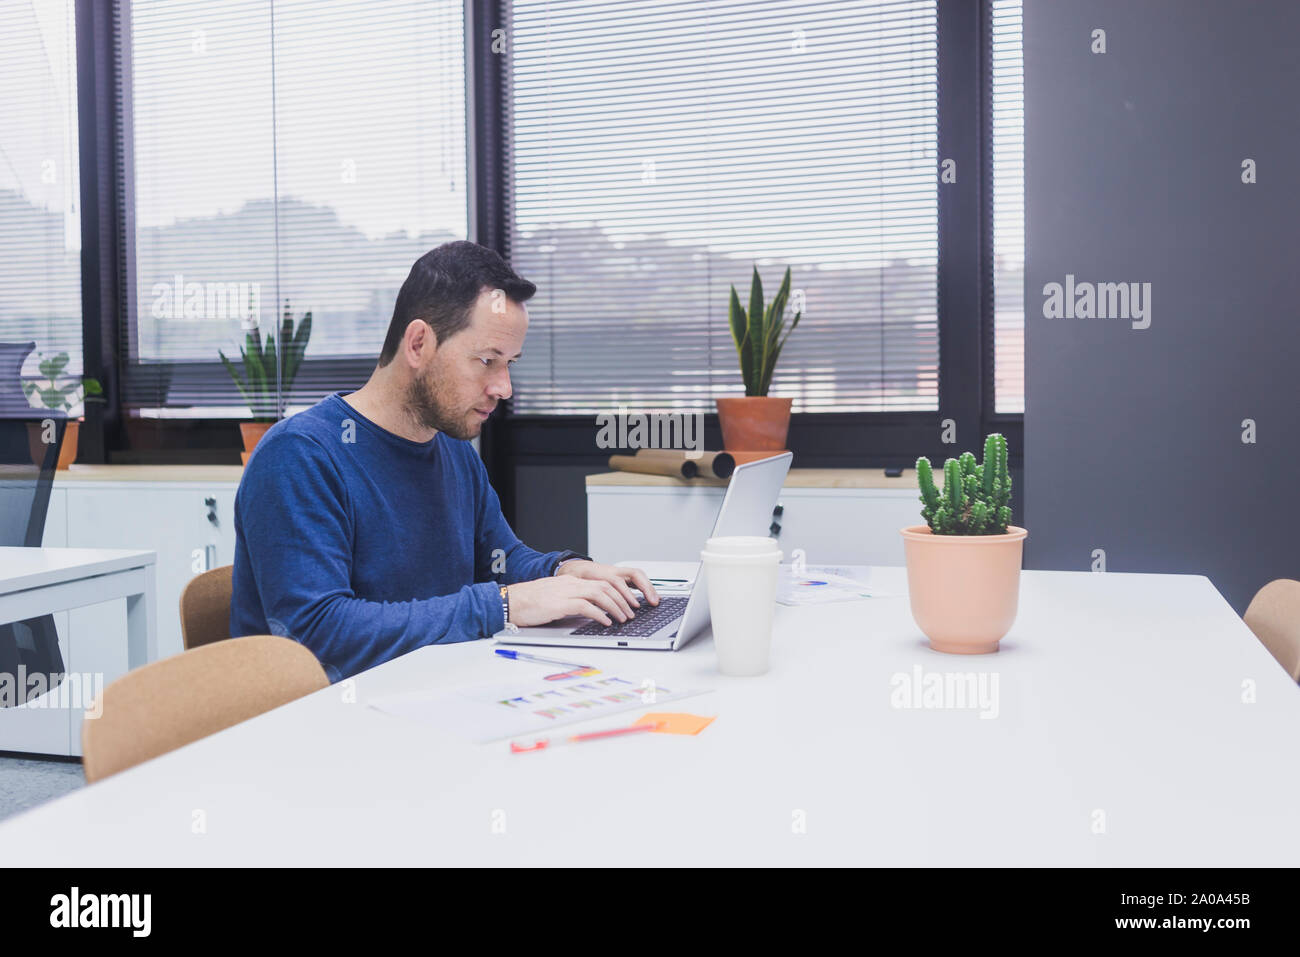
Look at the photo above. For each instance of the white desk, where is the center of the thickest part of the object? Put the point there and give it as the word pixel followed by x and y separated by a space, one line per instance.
pixel 41 581
pixel 1117 693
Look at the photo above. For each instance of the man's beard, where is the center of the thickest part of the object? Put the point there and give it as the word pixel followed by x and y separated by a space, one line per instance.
pixel 429 408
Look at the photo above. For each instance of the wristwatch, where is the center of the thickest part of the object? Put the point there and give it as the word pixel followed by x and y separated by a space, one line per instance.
pixel 510 626
pixel 568 556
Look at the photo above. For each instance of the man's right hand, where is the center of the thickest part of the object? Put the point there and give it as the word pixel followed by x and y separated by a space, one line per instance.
pixel 544 600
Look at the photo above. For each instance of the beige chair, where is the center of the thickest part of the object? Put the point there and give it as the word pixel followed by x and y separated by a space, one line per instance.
pixel 205 608
pixel 1274 617
pixel 167 704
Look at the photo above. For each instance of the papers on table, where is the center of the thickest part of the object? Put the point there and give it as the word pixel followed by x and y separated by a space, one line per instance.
pixel 492 711
pixel 824 585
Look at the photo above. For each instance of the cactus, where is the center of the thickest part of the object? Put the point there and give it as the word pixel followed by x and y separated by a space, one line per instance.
pixel 975 498
pixel 954 493
pixel 997 480
pixel 929 494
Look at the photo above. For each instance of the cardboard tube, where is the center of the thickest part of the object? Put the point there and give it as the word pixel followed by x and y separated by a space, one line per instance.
pixel 681 468
pixel 718 465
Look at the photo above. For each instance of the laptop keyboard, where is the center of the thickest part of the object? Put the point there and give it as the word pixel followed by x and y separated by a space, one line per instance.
pixel 645 621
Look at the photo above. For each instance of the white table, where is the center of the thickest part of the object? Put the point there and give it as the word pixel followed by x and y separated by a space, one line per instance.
pixel 1118 693
pixel 41 581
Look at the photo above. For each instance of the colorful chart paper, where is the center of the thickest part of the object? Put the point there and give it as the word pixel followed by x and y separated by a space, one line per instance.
pixel 490 712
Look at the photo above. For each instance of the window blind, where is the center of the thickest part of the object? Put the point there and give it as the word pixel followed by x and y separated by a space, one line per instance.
pixel 662 149
pixel 282 155
pixel 40 210
pixel 1008 76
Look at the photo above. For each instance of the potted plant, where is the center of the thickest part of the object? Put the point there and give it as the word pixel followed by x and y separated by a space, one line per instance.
pixel 259 386
pixel 963 565
pixel 60 393
pixel 757 422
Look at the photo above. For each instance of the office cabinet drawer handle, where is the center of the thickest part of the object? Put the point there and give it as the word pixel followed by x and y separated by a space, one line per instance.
pixel 211 504
pixel 775 529
pixel 779 510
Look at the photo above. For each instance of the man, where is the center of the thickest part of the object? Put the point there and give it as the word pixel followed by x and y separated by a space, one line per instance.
pixel 366 527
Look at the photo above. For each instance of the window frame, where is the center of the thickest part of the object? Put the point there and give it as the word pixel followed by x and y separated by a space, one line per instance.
pixel 112 258
pixel 859 439
pixel 101 230
pixel 965 292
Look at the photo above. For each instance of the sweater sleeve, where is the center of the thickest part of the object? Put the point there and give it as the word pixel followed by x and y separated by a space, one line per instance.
pixel 499 555
pixel 294 515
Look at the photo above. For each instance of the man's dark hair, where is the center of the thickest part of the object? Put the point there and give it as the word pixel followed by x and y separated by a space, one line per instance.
pixel 443 286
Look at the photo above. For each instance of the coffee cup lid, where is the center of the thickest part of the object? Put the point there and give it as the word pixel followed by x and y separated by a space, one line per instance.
pixel 739 546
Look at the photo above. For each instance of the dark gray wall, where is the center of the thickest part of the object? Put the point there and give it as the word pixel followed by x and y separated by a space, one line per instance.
pixel 551 505
pixel 1133 437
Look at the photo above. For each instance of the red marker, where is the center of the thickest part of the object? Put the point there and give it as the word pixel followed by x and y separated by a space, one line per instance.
pixel 542 743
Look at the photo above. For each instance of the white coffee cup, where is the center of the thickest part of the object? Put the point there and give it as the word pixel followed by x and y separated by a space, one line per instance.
pixel 741 575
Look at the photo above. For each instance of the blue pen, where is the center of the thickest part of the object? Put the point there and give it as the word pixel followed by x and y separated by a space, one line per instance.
pixel 524 656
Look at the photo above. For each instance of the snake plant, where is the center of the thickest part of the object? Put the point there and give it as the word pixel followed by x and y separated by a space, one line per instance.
pixel 258 385
pixel 757 333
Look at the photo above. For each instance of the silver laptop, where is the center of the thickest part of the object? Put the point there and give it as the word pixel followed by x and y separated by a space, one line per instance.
pixel 746 509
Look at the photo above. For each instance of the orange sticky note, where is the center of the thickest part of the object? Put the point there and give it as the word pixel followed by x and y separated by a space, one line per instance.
pixel 677 723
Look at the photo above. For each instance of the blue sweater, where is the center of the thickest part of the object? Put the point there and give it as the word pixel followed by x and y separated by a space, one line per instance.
pixel 363 545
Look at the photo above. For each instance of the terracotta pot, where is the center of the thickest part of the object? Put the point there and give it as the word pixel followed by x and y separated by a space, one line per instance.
pixel 68 454
pixel 37 445
pixel 964 589
pixel 252 433
pixel 754 423
pixel 67 451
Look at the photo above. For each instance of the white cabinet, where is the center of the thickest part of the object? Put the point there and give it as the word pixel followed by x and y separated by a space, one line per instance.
pixel 56 520
pixel 846 526
pixel 649 523
pixel 837 516
pixel 170 521
pixel 185 514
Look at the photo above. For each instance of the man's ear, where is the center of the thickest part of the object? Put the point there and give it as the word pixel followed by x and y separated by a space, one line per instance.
pixel 419 342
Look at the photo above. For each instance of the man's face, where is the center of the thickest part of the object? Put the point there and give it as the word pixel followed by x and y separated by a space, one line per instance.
pixel 469 373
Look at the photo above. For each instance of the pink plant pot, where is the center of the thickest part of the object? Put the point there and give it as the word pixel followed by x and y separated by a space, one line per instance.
pixel 964 589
